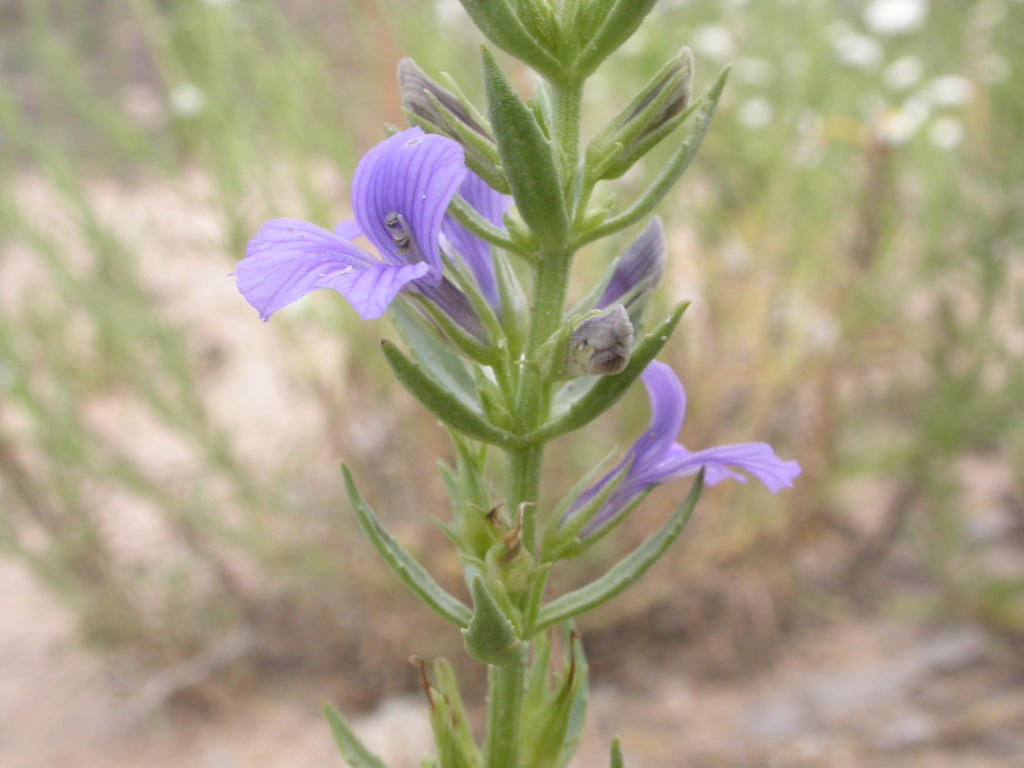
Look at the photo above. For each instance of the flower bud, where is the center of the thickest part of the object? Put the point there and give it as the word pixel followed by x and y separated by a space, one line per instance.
pixel 637 272
pixel 601 344
pixel 438 110
pixel 490 636
pixel 658 110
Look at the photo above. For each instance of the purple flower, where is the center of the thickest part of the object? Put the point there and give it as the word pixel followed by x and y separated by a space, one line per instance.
pixel 637 272
pixel 400 192
pixel 656 458
pixel 475 252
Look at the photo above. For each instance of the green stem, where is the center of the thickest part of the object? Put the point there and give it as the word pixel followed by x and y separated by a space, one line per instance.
pixel 566 103
pixel 504 713
pixel 532 405
pixel 533 401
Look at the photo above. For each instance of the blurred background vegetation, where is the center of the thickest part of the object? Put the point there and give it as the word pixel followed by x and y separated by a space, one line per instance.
pixel 851 236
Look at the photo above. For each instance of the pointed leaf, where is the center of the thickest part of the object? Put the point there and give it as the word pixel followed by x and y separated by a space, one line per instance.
pixel 402 563
pixel 608 389
pixel 434 355
pixel 619 25
pixel 352 749
pixel 442 403
pixel 626 571
pixel 490 637
pixel 527 156
pixel 578 715
pixel 616 753
pixel 672 171
pixel 500 24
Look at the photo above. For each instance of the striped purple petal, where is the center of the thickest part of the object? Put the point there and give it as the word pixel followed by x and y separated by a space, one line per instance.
pixel 638 271
pixel 287 259
pixel 414 175
pixel 475 252
pixel 656 458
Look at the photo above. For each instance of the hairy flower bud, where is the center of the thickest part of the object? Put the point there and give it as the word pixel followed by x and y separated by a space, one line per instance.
pixel 601 344
pixel 659 108
pixel 636 273
pixel 439 110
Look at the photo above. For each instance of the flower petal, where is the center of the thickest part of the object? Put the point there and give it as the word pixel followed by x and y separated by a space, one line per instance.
pixel 348 230
pixel 720 464
pixel 638 271
pixel 414 175
pixel 475 252
pixel 288 258
pixel 370 290
pixel 668 409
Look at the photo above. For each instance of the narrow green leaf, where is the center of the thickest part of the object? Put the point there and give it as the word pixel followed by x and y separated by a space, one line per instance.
pixel 607 391
pixel 578 715
pixel 616 753
pixel 435 355
pixel 551 737
pixel 619 25
pixel 465 752
pixel 402 563
pixel 626 571
pixel 500 24
pixel 441 402
pixel 527 156
pixel 468 217
pixel 672 171
pixel 352 749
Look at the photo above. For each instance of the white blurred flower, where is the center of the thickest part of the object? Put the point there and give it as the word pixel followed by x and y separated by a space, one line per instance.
pixel 897 126
pixel 918 110
pixel 947 133
pixel 714 40
pixel 903 73
pixel 756 112
pixel 856 50
pixel 753 71
pixel 948 91
pixel 187 100
pixel 895 17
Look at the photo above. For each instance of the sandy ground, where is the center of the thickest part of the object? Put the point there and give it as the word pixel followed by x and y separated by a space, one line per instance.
pixel 868 691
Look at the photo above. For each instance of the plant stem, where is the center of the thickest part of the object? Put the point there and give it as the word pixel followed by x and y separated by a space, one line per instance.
pixel 504 713
pixel 566 103
pixel 533 401
pixel 532 405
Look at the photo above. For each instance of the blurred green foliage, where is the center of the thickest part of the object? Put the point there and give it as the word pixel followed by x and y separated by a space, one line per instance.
pixel 850 234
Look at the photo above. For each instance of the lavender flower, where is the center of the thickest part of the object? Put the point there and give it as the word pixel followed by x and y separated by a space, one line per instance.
pixel 400 192
pixel 475 252
pixel 637 272
pixel 656 458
